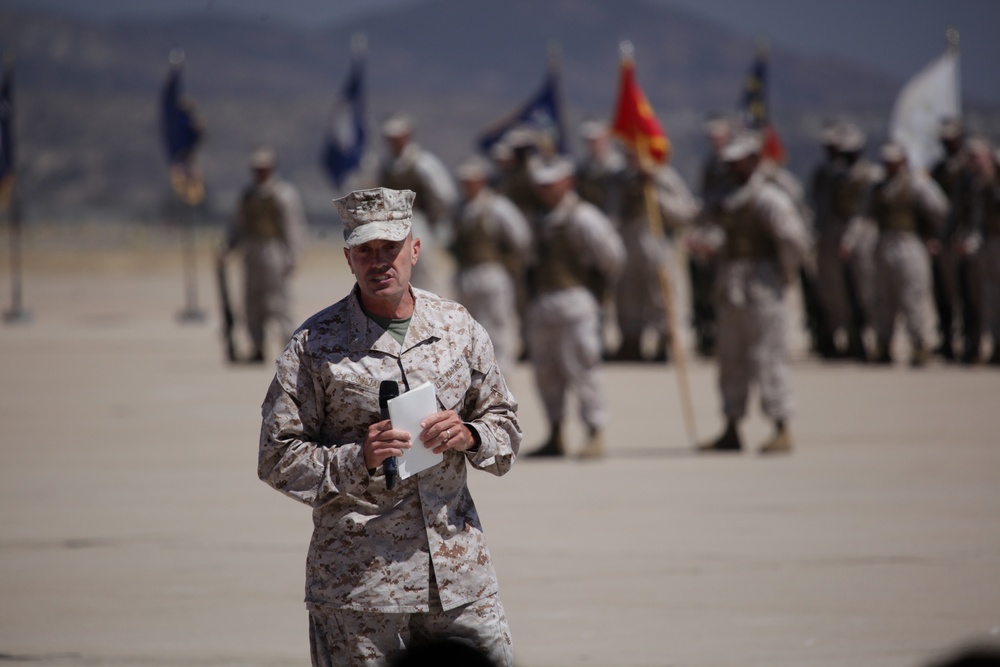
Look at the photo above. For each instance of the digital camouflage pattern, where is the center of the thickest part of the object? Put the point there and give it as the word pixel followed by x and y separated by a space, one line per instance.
pixel 373 549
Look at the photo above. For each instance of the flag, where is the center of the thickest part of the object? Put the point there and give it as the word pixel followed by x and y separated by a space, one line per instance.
pixel 634 122
pixel 7 162
pixel 182 132
pixel 756 111
pixel 345 136
pixel 927 99
pixel 542 113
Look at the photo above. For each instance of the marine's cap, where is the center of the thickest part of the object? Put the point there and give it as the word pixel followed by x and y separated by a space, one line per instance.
pixel 521 137
pixel 474 168
pixel 741 146
pixel 950 128
pixel 593 129
pixel 851 139
pixel 716 126
pixel 832 134
pixel 546 172
pixel 892 152
pixel 397 125
pixel 263 158
pixel 375 214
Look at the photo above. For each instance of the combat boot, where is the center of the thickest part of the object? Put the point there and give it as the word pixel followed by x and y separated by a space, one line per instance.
pixel 553 447
pixel 921 355
pixel 629 350
pixel 594 447
pixel 729 441
pixel 780 442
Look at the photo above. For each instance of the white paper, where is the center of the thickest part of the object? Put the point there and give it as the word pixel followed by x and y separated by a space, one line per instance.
pixel 406 411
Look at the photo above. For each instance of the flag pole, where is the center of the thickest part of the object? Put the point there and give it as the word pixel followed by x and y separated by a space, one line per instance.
pixel 189 193
pixel 16 314
pixel 647 166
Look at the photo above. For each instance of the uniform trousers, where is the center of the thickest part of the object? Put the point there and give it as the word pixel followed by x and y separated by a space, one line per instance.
pixel 348 638
pixel 565 348
pixel 752 348
pixel 903 273
pixel 267 270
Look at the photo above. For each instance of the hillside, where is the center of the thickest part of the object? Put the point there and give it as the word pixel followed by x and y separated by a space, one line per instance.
pixel 87 91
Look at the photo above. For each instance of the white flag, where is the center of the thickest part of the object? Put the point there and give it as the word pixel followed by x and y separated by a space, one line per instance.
pixel 927 99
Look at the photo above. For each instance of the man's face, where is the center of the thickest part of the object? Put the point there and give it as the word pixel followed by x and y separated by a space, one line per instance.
pixel 383 268
pixel 261 174
pixel 471 187
pixel 741 170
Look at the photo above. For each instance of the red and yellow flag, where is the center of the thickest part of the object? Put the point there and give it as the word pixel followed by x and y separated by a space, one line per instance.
pixel 634 121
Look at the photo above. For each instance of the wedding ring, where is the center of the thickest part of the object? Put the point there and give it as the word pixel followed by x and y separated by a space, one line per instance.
pixel 447 435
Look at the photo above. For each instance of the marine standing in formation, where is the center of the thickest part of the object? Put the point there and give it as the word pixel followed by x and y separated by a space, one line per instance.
pixel 409 166
pixel 490 240
pixel 908 210
pixel 269 228
pixel 983 242
pixel 390 568
pixel 573 243
pixel 639 298
pixel 715 182
pixel 760 239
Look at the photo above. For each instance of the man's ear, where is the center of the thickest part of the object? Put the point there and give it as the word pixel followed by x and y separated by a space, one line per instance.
pixel 347 256
pixel 416 250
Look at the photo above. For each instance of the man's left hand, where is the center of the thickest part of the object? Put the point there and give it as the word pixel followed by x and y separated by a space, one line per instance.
pixel 446 430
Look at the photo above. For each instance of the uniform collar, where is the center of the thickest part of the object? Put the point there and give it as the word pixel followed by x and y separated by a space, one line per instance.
pixel 366 335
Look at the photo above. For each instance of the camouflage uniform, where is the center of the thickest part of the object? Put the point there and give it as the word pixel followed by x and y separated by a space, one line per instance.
pixel 639 298
pixel 572 241
pixel 908 210
pixel 490 240
pixel 763 241
pixel 420 171
pixel 986 239
pixel 269 228
pixel 418 548
pixel 715 185
pixel 845 285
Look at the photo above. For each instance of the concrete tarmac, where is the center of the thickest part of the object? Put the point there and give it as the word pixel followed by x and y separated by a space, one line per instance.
pixel 134 531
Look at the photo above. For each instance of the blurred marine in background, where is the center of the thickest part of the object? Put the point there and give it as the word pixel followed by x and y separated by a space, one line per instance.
pixel 269 229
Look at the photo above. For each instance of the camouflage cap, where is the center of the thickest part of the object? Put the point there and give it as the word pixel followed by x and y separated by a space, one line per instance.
pixel 263 157
pixel 851 140
pixel 741 146
pixel 546 172
pixel 950 128
pixel 376 214
pixel 473 168
pixel 892 152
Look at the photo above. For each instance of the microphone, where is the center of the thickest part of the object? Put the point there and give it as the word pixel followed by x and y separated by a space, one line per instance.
pixel 388 389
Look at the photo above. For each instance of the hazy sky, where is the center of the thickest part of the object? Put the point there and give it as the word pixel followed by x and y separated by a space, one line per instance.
pixel 898 36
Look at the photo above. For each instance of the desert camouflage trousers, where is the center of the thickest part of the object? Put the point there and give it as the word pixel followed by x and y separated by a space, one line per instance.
pixel 752 348
pixel 347 638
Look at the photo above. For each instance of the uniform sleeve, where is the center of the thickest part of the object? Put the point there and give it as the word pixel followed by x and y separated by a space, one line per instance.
pixel 601 242
pixel 932 203
pixel 491 409
pixel 789 230
pixel 291 458
pixel 513 226
pixel 435 175
pixel 296 229
pixel 677 205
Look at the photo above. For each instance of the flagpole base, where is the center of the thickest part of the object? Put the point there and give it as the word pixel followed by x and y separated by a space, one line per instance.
pixel 17 316
pixel 191 316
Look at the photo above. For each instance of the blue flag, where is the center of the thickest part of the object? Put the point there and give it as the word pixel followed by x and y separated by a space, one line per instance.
pixel 542 113
pixel 345 137
pixel 7 164
pixel 181 129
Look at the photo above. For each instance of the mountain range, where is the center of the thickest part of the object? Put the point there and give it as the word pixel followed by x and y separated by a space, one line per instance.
pixel 87 91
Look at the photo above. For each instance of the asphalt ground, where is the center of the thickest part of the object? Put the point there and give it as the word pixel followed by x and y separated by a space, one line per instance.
pixel 134 531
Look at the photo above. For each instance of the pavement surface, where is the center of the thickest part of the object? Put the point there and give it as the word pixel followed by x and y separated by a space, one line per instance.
pixel 134 531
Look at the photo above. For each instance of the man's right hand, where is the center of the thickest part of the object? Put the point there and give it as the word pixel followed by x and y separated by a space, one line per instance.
pixel 382 441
